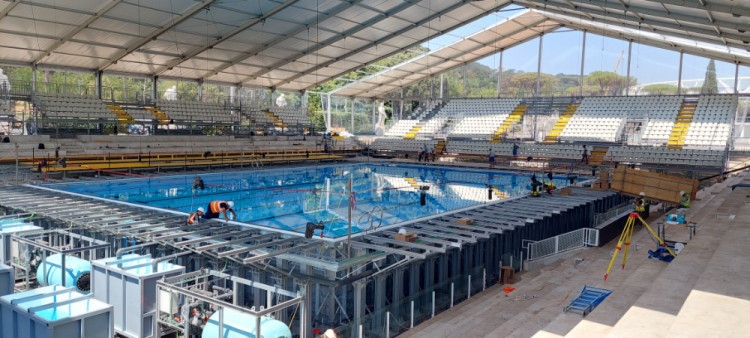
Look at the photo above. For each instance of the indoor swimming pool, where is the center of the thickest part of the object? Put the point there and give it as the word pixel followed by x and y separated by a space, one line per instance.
pixel 288 198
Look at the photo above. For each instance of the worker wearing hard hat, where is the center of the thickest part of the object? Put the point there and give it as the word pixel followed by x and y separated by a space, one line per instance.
pixel 217 208
pixel 640 204
pixel 195 217
pixel 684 200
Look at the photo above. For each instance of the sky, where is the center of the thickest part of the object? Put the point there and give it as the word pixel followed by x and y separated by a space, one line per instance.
pixel 561 53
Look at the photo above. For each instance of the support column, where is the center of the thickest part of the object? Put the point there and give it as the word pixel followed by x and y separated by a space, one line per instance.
pixel 432 87
pixel 306 310
pixel 429 273
pixel 679 76
pixel 359 304
pixel 538 72
pixel 352 114
pixel 379 298
pixel 441 85
pixel 583 59
pixel 398 289
pixel 413 278
pixel 500 74
pixel 464 91
pixel 328 114
pixel 736 77
pixel 630 53
pixel 401 111
pixel 98 84
pixel 33 79
pixel 374 110
pixel 154 80
pixel 200 91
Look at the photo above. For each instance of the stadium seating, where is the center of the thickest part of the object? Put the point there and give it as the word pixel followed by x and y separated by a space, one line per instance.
pixel 712 122
pixel 479 118
pixel 72 106
pixel 186 111
pixel 400 128
pixel 660 117
pixel 598 119
pixel 291 117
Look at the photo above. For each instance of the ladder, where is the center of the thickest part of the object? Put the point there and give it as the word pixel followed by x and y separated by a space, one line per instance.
pixel 587 300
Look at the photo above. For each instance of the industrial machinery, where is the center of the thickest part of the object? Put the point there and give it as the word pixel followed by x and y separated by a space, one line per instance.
pixel 75 271
pixel 54 312
pixel 205 302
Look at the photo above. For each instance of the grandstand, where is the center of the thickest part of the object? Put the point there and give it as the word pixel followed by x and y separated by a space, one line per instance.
pixel 258 169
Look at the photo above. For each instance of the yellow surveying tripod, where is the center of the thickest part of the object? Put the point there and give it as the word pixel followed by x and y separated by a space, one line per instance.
pixel 627 234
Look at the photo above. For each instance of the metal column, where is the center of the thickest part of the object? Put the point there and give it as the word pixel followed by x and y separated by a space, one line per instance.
pixel 627 80
pixel 441 85
pixel 352 114
pixel 679 76
pixel 98 84
pixel 401 111
pixel 154 80
pixel 500 74
pixel 463 90
pixel 538 72
pixel 736 76
pixel 328 113
pixel 583 59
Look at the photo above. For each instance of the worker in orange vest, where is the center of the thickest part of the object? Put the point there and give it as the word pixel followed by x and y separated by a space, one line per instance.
pixel 195 217
pixel 217 208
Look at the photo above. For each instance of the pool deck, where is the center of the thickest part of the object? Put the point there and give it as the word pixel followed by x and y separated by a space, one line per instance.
pixel 703 292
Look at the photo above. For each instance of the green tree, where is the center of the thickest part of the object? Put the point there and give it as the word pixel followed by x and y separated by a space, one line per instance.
pixel 660 88
pixel 609 83
pixel 710 84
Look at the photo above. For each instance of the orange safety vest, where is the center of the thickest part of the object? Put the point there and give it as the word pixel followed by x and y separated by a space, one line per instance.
pixel 216 206
pixel 192 218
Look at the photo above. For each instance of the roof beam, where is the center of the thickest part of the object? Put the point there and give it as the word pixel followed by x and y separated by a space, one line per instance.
pixel 402 31
pixel 256 51
pixel 375 43
pixel 77 30
pixel 156 33
pixel 466 52
pixel 450 68
pixel 611 18
pixel 354 30
pixel 227 36
pixel 8 8
pixel 573 22
pixel 735 9
pixel 637 11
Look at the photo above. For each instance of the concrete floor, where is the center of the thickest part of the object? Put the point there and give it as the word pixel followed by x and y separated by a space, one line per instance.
pixel 703 292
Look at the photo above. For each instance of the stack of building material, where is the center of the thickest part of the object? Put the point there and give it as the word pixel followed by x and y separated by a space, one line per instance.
pixel 656 186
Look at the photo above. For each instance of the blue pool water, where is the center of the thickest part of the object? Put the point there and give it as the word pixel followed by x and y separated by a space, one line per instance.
pixel 384 194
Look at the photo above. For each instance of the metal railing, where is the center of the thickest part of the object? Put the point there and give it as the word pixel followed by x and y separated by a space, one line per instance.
pixel 603 217
pixel 561 243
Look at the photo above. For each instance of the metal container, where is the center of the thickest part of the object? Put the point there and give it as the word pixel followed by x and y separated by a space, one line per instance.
pixel 55 312
pixel 129 283
pixel 236 324
pixel 77 272
pixel 7 280
pixel 6 230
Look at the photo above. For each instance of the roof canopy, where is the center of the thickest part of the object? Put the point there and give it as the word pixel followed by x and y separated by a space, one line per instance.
pixel 289 44
pixel 298 44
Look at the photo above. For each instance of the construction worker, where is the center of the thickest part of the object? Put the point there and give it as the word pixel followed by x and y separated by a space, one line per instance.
pixel 536 187
pixel 195 217
pixel 684 200
pixel 217 208
pixel 640 204
pixel 549 187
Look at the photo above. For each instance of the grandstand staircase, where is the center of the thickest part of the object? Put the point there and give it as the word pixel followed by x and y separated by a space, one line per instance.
pixel 682 123
pixel 122 114
pixel 597 155
pixel 441 146
pixel 562 121
pixel 276 120
pixel 160 116
pixel 509 122
pixel 411 134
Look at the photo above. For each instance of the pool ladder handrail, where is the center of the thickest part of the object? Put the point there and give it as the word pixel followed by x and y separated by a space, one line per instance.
pixel 371 217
